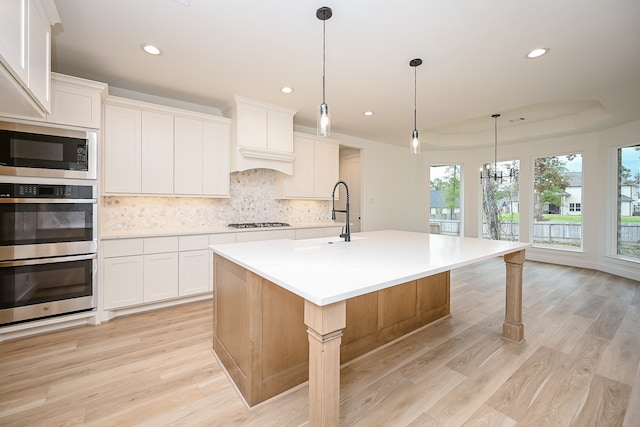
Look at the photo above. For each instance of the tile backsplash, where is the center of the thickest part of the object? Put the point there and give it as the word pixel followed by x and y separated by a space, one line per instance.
pixel 253 199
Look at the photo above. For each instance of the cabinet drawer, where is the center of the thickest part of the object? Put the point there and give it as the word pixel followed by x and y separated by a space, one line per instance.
pixel 332 231
pixel 157 245
pixel 215 239
pixel 253 236
pixel 309 233
pixel 122 247
pixel 193 243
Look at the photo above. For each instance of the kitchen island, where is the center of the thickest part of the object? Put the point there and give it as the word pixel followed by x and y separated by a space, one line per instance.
pixel 377 287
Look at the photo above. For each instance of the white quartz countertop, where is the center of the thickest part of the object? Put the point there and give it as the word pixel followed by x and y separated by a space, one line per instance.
pixel 219 229
pixel 328 270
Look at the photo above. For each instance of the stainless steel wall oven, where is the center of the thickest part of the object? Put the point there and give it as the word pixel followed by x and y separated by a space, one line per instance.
pixel 48 244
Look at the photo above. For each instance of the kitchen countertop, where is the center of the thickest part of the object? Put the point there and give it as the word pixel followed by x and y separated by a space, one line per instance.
pixel 138 233
pixel 328 270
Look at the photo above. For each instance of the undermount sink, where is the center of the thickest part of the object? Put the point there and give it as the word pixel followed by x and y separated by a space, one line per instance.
pixel 337 239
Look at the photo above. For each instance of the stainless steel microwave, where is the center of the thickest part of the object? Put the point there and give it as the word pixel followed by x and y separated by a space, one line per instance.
pixel 39 151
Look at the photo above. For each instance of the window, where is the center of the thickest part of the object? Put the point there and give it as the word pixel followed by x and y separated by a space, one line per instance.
pixel 628 224
pixel 501 201
pixel 557 207
pixel 444 210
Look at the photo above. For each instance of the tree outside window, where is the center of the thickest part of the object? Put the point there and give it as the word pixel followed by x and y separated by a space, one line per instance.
pixel 444 212
pixel 628 206
pixel 501 201
pixel 557 216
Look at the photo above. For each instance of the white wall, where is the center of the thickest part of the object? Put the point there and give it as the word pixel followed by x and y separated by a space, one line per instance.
pixel 599 194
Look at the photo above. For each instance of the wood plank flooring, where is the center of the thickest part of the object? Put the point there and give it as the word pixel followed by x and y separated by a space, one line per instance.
pixel 579 365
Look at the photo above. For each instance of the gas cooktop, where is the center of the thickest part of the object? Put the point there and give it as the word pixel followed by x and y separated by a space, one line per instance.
pixel 259 224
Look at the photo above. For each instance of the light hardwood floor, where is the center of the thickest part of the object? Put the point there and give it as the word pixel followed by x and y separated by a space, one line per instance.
pixel 579 365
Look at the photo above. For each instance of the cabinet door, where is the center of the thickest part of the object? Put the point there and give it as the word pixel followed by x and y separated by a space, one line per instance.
pixel 13 40
pixel 75 105
pixel 251 126
pixel 123 281
pixel 280 131
pixel 39 71
pixel 215 157
pixel 326 155
pixel 157 153
pixel 160 276
pixel 301 183
pixel 188 156
pixel 122 150
pixel 194 272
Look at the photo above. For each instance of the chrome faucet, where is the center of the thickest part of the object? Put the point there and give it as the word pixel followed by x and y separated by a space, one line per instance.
pixel 346 231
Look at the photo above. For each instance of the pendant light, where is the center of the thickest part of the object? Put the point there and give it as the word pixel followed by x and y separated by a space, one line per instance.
pixel 324 119
pixel 415 135
pixel 495 175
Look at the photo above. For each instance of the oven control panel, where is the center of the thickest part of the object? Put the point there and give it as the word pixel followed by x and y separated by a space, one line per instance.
pixel 45 191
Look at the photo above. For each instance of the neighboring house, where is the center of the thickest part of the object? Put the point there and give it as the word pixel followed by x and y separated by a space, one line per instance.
pixel 630 200
pixel 572 198
pixel 508 206
pixel 439 208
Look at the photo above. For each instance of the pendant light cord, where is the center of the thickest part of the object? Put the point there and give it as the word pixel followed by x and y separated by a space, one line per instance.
pixel 415 98
pixel 495 138
pixel 324 43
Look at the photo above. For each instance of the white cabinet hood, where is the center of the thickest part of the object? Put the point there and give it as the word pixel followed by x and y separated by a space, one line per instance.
pixel 261 136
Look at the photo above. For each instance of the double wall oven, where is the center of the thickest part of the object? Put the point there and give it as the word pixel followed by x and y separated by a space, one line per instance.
pixel 48 222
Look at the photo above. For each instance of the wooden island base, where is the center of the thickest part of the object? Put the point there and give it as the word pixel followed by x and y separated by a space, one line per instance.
pixel 260 336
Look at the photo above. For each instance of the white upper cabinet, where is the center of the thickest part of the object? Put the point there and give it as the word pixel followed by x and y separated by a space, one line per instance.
pixel 261 136
pixel 315 169
pixel 188 160
pixel 152 149
pixel 14 20
pixel 157 153
pixel 25 57
pixel 76 102
pixel 122 149
pixel 201 157
pixel 215 158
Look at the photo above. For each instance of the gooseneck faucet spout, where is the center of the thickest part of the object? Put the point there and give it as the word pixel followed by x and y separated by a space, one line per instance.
pixel 346 231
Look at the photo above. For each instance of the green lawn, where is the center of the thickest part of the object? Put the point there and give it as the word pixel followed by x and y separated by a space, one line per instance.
pixel 566 218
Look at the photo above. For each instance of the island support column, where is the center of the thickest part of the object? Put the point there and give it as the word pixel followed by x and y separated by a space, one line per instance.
pixel 325 324
pixel 512 328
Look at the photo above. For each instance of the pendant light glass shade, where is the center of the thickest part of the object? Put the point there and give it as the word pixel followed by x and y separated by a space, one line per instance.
pixel 324 118
pixel 415 135
pixel 415 142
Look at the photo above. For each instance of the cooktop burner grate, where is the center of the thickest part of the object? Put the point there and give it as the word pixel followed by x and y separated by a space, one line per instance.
pixel 259 224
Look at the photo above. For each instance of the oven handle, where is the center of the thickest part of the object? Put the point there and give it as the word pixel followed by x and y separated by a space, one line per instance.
pixel 48 201
pixel 52 260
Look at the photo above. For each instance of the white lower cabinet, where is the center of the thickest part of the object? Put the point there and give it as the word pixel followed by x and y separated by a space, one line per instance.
pixel 122 281
pixel 194 272
pixel 146 270
pixel 194 265
pixel 160 277
pixel 138 271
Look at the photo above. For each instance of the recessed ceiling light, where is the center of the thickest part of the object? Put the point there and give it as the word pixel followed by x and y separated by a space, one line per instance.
pixel 286 89
pixel 368 113
pixel 537 53
pixel 151 49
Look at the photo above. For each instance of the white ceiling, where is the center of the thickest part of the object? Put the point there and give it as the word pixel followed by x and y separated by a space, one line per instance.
pixel 473 54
